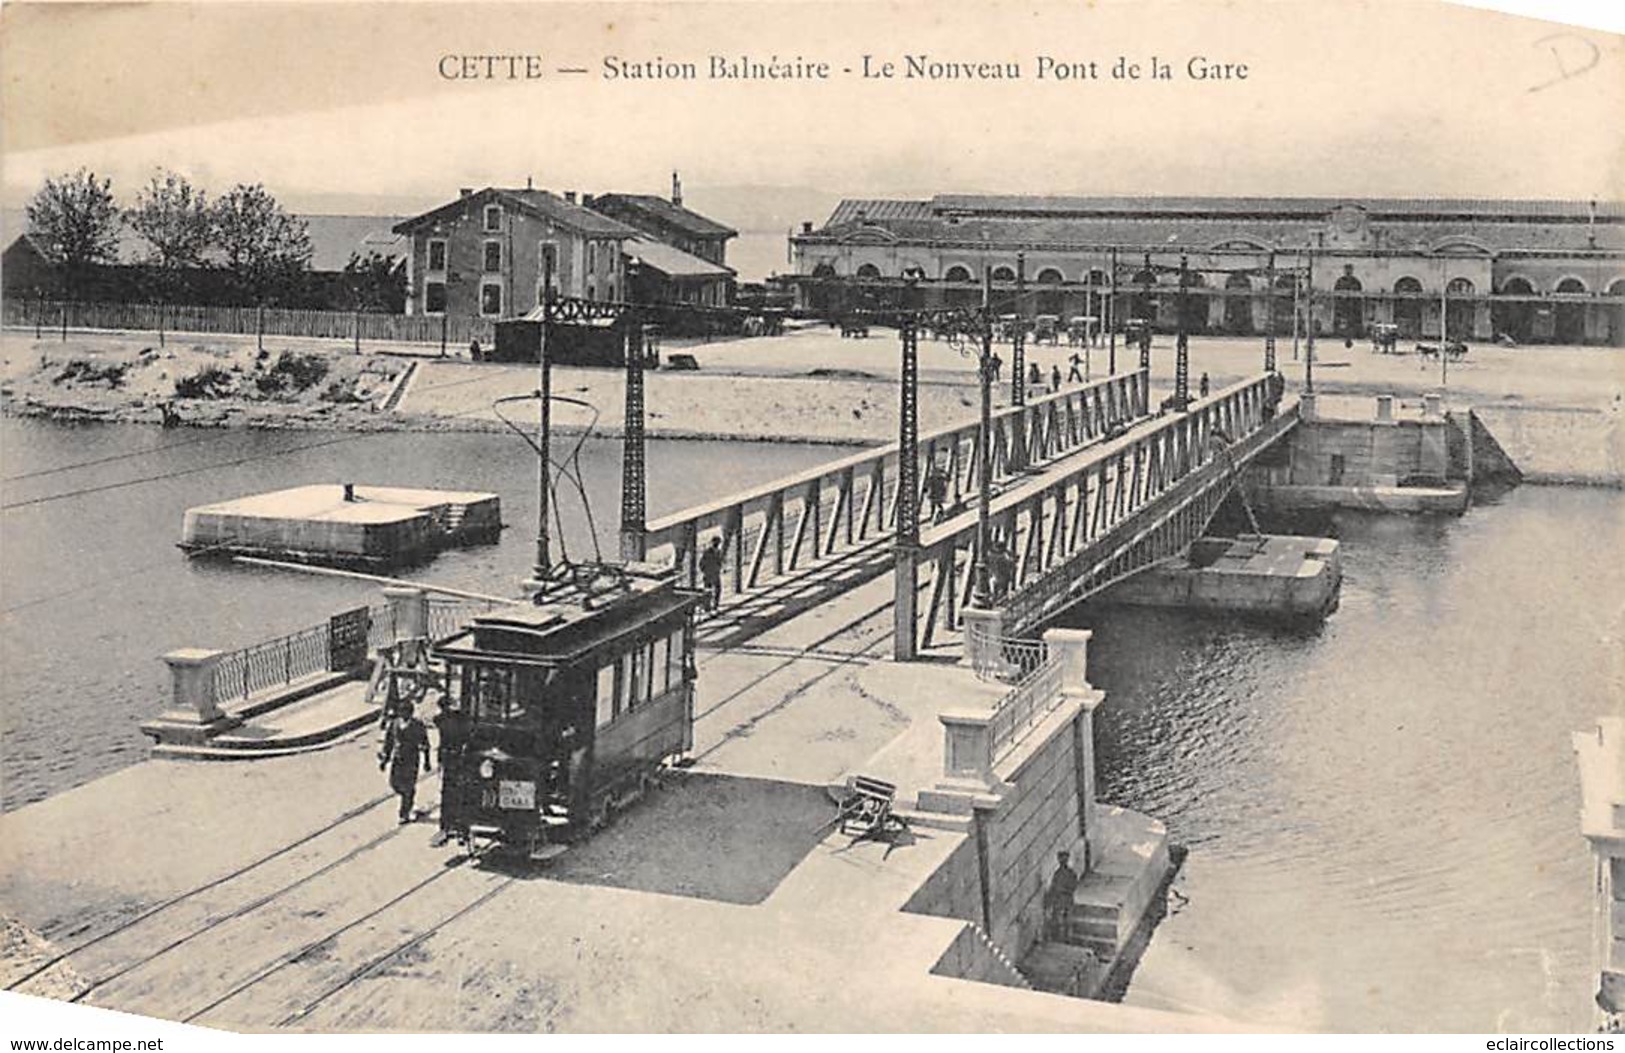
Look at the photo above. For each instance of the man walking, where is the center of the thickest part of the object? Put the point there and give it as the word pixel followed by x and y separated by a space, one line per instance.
pixel 711 573
pixel 404 742
pixel 452 729
pixel 1075 374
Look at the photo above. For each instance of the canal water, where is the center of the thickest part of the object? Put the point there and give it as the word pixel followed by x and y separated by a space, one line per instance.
pixel 93 589
pixel 1382 815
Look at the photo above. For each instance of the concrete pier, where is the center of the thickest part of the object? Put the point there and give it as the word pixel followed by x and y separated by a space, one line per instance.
pixel 1395 459
pixel 1269 575
pixel 344 524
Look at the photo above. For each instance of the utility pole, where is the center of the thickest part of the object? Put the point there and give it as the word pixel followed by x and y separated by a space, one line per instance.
pixel 984 456
pixel 1269 331
pixel 634 463
pixel 1444 326
pixel 1309 326
pixel 1018 366
pixel 1297 320
pixel 906 540
pixel 1111 316
pixel 1182 349
pixel 1145 323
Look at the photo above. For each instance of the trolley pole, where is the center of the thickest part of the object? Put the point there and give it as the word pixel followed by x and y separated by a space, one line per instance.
pixel 544 423
pixel 984 451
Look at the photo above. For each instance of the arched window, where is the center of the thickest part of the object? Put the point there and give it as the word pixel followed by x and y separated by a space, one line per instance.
pixel 823 270
pixel 1458 293
pixel 956 273
pixel 1004 274
pixel 1616 314
pixel 1347 310
pixel 1571 317
pixel 1408 307
pixel 1238 307
pixel 1515 318
pixel 868 271
pixel 1050 276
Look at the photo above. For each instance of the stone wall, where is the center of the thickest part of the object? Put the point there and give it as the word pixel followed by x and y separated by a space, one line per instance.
pixel 1037 819
pixel 1362 453
pixel 1557 445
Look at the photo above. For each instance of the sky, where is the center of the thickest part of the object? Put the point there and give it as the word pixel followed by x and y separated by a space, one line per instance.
pixel 342 107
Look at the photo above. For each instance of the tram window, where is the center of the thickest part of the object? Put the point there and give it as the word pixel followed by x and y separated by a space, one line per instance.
pixel 636 675
pixel 493 693
pixel 606 694
pixel 674 657
pixel 660 667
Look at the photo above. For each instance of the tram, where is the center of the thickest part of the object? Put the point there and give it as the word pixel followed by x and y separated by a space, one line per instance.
pixel 559 714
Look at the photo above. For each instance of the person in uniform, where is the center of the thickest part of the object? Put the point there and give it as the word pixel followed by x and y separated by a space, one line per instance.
pixel 404 742
pixel 711 573
pixel 451 728
pixel 1058 898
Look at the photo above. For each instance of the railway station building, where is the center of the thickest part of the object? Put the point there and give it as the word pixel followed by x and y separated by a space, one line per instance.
pixel 1530 271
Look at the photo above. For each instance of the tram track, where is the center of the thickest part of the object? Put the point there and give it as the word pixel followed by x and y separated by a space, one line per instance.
pixel 177 900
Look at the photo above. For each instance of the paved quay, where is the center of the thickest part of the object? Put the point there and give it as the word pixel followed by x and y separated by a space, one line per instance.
pixel 279 893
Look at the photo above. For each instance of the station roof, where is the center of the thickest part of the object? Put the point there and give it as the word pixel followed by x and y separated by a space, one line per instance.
pixel 673 262
pixel 539 203
pixel 684 219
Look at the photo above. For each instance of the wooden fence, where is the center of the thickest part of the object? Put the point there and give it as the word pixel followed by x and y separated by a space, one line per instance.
pixel 456 331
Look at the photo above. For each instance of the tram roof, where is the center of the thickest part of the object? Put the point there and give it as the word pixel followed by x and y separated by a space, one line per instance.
pixel 564 631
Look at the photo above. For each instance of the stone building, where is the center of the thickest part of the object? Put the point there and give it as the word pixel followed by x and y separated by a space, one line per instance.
pixel 487 252
pixel 680 255
pixel 1535 271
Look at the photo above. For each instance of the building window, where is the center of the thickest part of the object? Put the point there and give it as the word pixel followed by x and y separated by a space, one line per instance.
pixel 437 254
pixel 493 217
pixel 493 257
pixel 434 298
pixel 592 257
pixel 491 299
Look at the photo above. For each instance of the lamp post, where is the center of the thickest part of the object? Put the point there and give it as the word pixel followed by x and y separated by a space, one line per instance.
pixel 1111 315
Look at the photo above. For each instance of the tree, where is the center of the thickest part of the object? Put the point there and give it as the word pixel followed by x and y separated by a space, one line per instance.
pixel 265 248
pixel 175 219
pixel 73 223
pixel 374 282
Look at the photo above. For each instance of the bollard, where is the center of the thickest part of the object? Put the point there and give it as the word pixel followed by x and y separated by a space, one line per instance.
pixel 191 673
pixel 1306 405
pixel 1385 408
pixel 967 747
pixel 1432 405
pixel 984 631
pixel 1070 648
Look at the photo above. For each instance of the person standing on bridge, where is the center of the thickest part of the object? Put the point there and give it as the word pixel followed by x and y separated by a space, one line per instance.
pixel 711 573
pixel 1205 385
pixel 936 490
pixel 1074 375
pixel 1054 378
pixel 404 742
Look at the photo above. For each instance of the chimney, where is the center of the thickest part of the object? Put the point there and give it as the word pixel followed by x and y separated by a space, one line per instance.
pixel 806 226
pixel 466 191
pixel 586 200
pixel 570 196
pixel 676 190
pixel 528 185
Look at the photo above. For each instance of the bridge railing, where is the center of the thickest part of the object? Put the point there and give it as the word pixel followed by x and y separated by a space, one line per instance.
pixel 1027 703
pixel 1083 511
pixel 800 521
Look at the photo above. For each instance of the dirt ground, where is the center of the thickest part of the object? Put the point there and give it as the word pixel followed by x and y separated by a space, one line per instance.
pixel 809 385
